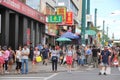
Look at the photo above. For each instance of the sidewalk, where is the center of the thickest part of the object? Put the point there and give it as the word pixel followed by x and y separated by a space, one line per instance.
pixel 48 68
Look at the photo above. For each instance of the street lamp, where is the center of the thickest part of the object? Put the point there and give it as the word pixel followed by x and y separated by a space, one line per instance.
pixel 83 21
pixel 103 33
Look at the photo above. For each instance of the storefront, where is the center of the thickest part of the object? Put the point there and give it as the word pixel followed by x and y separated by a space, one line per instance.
pixel 20 24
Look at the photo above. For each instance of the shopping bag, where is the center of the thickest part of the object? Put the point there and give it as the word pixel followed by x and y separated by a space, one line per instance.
pixel 38 59
pixel 108 70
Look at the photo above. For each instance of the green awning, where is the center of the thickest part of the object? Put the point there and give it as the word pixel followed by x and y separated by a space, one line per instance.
pixel 90 32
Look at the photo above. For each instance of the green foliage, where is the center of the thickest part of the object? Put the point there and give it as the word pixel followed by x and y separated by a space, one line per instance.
pixel 95 29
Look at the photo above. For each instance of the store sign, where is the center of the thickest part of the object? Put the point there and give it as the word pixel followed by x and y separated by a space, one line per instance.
pixel 54 18
pixel 20 7
pixel 62 11
pixel 69 18
pixel 89 18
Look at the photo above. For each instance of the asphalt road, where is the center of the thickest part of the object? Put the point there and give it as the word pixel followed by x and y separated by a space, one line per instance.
pixel 90 74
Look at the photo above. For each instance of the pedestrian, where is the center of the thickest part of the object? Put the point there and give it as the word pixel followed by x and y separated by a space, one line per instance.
pixel 83 55
pixel 115 60
pixel 119 56
pixel 61 56
pixel 78 51
pixel 105 59
pixel 11 59
pixel 54 58
pixel 95 56
pixel 89 55
pixel 18 57
pixel 69 58
pixel 1 60
pixel 45 52
pixel 74 55
pixel 35 55
pixel 6 57
pixel 64 55
pixel 25 54
pixel 40 46
pixel 31 53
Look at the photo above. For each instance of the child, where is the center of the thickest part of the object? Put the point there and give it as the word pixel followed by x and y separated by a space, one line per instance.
pixel 115 61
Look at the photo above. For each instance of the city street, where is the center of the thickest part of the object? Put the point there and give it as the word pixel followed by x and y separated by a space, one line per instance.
pixel 85 74
pixel 59 39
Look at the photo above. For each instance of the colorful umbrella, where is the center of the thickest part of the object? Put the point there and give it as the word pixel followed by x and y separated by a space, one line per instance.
pixel 60 39
pixel 70 35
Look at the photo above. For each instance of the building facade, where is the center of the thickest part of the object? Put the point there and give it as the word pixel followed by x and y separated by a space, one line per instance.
pixel 20 24
pixel 24 21
pixel 74 6
pixel 48 8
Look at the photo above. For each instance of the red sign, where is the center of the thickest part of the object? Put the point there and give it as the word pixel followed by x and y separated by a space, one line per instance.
pixel 23 9
pixel 69 18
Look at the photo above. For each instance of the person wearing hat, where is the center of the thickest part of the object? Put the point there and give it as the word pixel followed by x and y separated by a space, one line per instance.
pixel 105 57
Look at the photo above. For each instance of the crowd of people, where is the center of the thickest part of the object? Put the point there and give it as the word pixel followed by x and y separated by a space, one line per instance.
pixel 81 54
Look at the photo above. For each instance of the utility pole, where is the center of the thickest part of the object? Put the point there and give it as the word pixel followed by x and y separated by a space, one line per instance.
pixel 83 25
pixel 103 33
pixel 107 31
pixel 95 22
pixel 88 13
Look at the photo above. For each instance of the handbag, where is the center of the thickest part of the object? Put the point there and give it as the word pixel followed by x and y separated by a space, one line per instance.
pixel 38 59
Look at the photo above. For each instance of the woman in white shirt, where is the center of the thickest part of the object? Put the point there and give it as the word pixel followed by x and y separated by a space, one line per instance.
pixel 54 55
pixel 36 54
pixel 18 59
pixel 69 58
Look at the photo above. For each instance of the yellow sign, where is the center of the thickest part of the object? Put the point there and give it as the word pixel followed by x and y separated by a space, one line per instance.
pixel 62 11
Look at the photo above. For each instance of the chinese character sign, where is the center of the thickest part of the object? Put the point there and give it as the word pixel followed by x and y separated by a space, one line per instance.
pixel 69 18
pixel 62 11
pixel 54 18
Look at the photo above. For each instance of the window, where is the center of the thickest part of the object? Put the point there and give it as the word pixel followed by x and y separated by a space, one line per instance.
pixel 49 10
pixel 74 8
pixel 35 4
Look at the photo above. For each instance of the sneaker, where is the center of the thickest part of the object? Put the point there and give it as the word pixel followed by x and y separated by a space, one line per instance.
pixel 99 73
pixel 6 72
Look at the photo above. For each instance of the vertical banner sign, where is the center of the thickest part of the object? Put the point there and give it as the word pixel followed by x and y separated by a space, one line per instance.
pixel 69 18
pixel 0 23
pixel 28 36
pixel 62 11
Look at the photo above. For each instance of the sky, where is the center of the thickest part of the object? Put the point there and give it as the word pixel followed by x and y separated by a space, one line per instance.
pixel 108 10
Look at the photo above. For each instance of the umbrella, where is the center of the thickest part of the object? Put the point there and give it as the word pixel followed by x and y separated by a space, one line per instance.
pixel 70 35
pixel 62 39
pixel 90 32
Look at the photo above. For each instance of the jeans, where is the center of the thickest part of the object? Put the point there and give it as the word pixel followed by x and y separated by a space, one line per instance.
pixel 81 61
pixel 54 64
pixel 24 64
